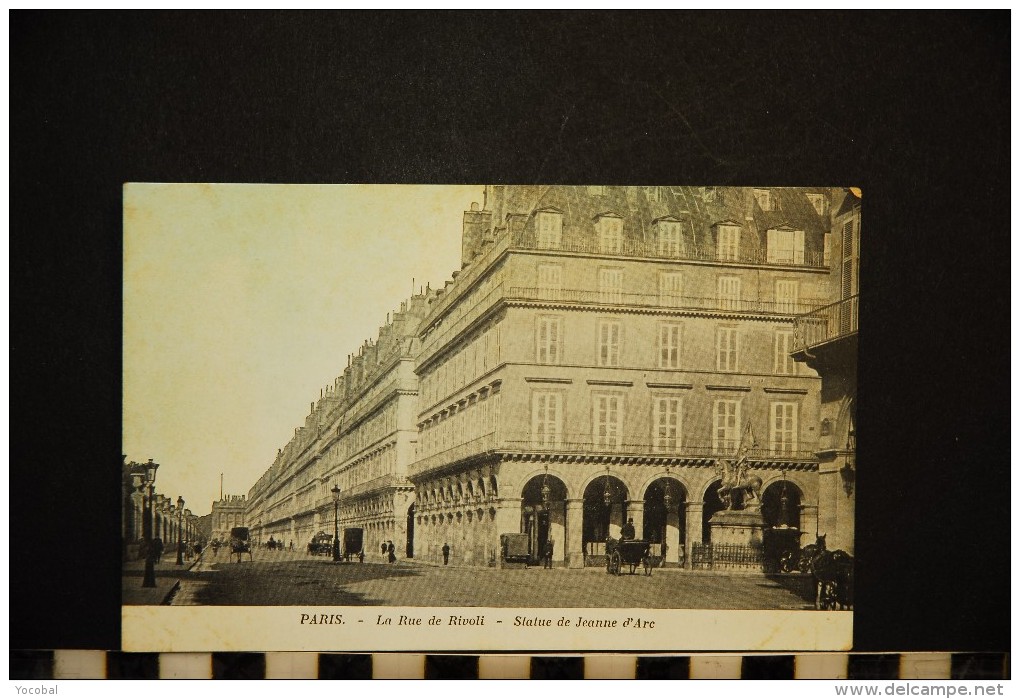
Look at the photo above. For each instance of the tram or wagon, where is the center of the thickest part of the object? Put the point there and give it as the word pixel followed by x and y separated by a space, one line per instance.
pixel 240 543
pixel 516 548
pixel 632 552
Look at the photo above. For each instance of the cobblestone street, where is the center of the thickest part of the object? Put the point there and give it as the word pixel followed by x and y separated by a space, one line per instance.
pixel 291 578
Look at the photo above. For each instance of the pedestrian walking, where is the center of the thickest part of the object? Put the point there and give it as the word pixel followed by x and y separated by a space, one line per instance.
pixel 446 554
pixel 393 556
pixel 548 554
pixel 158 544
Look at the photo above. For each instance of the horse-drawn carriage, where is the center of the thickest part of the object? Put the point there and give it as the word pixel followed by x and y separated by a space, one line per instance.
pixel 321 544
pixel 632 552
pixel 240 543
pixel 833 573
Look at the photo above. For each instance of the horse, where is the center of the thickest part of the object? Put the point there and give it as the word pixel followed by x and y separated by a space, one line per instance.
pixel 833 572
pixel 735 478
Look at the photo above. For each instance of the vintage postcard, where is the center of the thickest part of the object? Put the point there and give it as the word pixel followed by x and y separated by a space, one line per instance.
pixel 489 418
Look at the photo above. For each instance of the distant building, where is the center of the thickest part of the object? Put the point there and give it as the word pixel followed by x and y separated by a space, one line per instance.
pixel 359 436
pixel 825 339
pixel 227 513
pixel 600 349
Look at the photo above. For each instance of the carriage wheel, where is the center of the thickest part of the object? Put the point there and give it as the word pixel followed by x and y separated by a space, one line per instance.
pixel 786 563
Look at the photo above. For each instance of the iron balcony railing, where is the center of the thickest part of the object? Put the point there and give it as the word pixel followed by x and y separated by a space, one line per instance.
pixel 788 307
pixel 584 444
pixel 670 251
pixel 825 324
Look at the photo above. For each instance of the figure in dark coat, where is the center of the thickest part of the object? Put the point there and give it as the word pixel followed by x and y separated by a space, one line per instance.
pixel 548 553
pixel 446 554
pixel 391 548
pixel 627 530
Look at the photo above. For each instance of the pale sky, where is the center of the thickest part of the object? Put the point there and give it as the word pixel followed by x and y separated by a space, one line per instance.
pixel 242 301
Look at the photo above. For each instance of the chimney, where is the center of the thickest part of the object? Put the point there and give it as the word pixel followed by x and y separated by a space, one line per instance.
pixel 475 223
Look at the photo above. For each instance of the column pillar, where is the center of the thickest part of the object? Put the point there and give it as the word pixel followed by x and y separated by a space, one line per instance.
pixel 574 548
pixel 694 532
pixel 508 518
pixel 636 511
pixel 809 523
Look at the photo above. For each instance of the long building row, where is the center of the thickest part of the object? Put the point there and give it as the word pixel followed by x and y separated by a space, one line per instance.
pixel 596 354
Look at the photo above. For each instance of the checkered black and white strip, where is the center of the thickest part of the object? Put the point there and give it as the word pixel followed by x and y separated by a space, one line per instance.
pixel 86 664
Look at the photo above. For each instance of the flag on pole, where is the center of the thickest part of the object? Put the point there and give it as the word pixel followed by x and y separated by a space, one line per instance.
pixel 747 442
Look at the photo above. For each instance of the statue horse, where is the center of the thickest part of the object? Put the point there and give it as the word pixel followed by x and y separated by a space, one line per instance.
pixel 833 572
pixel 735 479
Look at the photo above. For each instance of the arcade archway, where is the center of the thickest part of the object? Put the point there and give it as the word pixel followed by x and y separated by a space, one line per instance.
pixel 544 515
pixel 605 512
pixel 665 517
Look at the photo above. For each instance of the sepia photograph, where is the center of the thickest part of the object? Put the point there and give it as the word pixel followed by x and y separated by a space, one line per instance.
pixel 500 406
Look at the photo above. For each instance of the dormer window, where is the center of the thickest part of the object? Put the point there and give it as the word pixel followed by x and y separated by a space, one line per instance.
pixel 667 238
pixel 597 190
pixel 819 202
pixel 764 199
pixel 610 232
pixel 550 228
pixel 651 193
pixel 728 241
pixel 785 246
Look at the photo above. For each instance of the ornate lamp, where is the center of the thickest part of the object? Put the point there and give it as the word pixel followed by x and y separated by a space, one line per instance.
pixel 180 528
pixel 149 577
pixel 336 522
pixel 546 490
pixel 667 497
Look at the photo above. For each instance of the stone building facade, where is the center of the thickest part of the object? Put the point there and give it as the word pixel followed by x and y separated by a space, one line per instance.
pixel 360 435
pixel 599 349
pixel 227 513
pixel 825 339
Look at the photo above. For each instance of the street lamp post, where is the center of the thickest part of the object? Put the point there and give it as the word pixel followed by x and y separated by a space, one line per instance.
pixel 180 528
pixel 336 523
pixel 149 578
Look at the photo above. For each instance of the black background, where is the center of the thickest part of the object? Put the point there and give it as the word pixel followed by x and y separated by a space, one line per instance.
pixel 912 108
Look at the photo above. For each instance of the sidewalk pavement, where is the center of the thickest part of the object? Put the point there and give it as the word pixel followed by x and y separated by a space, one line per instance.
pixel 168 575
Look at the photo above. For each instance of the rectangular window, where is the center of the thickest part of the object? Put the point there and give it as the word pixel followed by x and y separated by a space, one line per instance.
pixel 547 418
pixel 785 247
pixel 666 424
pixel 729 242
pixel 729 293
pixel 651 193
pixel 725 430
pixel 726 349
pixel 548 337
pixel 607 418
pixel 611 285
pixel 784 364
pixel 764 199
pixel 783 428
pixel 669 346
pixel 550 229
pixel 671 289
pixel 668 238
pixel 610 234
pixel 786 296
pixel 609 343
pixel 827 250
pixel 550 281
